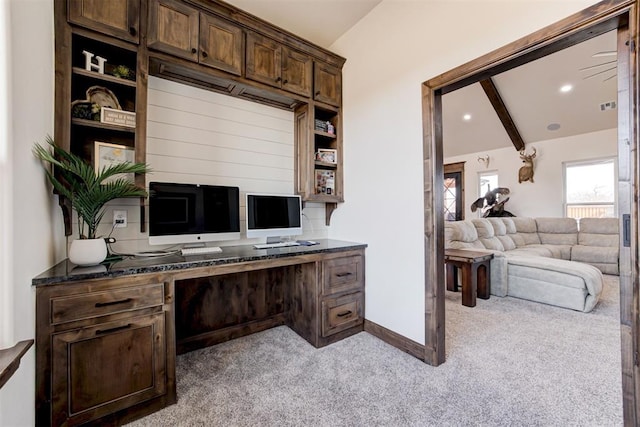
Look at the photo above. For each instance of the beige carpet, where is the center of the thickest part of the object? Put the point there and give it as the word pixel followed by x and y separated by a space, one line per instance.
pixel 509 363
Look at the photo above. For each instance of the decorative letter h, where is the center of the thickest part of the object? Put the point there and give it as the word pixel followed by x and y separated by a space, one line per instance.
pixel 89 65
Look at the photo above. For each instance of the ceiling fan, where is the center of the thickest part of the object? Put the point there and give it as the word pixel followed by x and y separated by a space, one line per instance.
pixel 600 55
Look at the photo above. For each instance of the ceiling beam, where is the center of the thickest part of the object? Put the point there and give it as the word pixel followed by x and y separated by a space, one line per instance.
pixel 503 114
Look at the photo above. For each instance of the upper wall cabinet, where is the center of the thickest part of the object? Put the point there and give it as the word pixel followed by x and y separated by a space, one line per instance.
pixel 183 31
pixel 271 63
pixel 117 18
pixel 328 84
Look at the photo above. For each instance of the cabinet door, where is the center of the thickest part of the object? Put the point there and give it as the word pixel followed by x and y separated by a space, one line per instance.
pixel 296 72
pixel 263 60
pixel 327 84
pixel 117 18
pixel 173 28
pixel 101 369
pixel 220 44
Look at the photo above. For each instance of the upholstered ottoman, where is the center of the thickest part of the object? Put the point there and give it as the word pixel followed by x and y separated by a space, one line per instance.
pixel 558 282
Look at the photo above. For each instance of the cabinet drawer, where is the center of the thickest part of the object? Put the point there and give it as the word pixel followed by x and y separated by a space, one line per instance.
pixel 342 313
pixel 94 304
pixel 342 274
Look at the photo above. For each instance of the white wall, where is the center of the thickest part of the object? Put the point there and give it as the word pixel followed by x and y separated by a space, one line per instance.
pixel 390 52
pixel 543 197
pixel 31 226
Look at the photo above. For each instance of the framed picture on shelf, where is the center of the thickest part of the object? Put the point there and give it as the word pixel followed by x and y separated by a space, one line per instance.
pixel 327 155
pixel 106 154
pixel 325 182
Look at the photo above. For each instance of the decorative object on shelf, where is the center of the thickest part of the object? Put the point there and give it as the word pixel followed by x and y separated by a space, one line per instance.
pixel 331 129
pixel 88 192
pixel 320 125
pixel 107 155
pixel 492 204
pixel 526 172
pixel 90 66
pixel 484 160
pixel 325 181
pixel 83 109
pixel 122 71
pixel 118 117
pixel 98 97
pixel 103 97
pixel 327 155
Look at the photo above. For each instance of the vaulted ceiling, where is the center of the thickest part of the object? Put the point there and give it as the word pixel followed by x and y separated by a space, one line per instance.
pixel 532 95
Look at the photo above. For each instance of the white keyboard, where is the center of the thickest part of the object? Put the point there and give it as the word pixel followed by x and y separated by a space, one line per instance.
pixel 201 250
pixel 275 245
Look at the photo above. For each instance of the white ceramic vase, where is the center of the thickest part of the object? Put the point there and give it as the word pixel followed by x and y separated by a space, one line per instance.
pixel 87 251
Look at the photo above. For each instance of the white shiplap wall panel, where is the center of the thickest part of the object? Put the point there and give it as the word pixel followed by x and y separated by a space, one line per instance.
pixel 197 136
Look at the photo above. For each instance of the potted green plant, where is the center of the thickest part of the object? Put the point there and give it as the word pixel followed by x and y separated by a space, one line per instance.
pixel 88 190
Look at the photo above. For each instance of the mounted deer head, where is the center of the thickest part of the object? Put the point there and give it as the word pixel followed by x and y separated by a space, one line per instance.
pixel 526 172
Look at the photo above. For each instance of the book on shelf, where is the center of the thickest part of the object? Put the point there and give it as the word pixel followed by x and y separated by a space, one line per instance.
pixel 325 182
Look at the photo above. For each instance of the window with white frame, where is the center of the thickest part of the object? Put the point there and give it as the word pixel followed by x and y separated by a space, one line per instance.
pixel 590 189
pixel 487 181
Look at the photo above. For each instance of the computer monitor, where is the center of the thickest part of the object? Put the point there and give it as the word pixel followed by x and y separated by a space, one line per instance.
pixel 192 213
pixel 273 216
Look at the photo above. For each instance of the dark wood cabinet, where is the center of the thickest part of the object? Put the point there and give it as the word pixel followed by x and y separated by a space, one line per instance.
pixel 103 346
pixel 173 28
pixel 264 62
pixel 180 30
pixel 271 63
pixel 327 84
pixel 116 18
pixel 220 44
pixel 108 367
pixel 296 72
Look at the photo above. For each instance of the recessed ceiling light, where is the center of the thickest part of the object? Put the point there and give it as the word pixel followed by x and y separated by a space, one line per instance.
pixel 466 117
pixel 566 88
pixel 553 126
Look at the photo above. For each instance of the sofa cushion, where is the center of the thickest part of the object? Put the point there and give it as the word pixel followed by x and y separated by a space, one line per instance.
pixel 461 235
pixel 527 231
pixel 594 254
pixel 553 281
pixel 531 250
pixel 500 230
pixel 557 231
pixel 599 232
pixel 486 234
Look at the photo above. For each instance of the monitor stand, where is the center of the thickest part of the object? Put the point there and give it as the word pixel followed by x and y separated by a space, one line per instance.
pixel 194 245
pixel 273 239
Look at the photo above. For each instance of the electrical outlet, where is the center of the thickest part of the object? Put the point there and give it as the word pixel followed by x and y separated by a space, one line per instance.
pixel 120 219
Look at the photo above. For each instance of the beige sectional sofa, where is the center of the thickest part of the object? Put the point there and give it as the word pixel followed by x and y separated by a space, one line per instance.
pixel 555 261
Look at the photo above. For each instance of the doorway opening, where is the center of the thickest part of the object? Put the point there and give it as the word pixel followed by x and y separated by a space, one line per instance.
pixel 596 20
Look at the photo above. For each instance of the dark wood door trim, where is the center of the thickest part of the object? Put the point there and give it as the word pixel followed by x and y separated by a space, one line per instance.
pixel 595 20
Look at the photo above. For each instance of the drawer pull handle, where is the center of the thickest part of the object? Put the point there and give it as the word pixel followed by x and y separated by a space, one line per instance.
pixel 344 274
pixel 117 328
pixel 345 313
pixel 106 304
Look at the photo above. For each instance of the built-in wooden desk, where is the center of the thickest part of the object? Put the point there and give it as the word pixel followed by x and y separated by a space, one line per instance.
pixel 107 336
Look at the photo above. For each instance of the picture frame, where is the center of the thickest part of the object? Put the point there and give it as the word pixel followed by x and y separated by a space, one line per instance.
pixel 327 155
pixel 118 117
pixel 325 181
pixel 108 154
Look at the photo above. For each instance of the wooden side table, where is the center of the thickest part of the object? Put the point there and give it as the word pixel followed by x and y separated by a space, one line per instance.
pixel 476 274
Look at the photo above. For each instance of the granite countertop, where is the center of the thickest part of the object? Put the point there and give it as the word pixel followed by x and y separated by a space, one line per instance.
pixel 66 271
